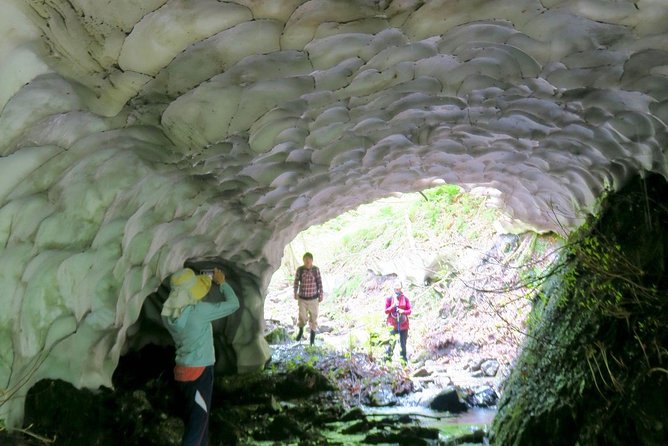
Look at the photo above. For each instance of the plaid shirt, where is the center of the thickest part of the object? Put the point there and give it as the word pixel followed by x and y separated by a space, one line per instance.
pixel 308 283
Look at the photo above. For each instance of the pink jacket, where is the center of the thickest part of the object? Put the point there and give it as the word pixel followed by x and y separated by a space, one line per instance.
pixel 392 314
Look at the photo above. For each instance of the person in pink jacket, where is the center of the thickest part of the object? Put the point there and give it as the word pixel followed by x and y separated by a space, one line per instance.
pixel 397 308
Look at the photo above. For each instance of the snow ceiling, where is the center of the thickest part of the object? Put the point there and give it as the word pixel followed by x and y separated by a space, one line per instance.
pixel 136 134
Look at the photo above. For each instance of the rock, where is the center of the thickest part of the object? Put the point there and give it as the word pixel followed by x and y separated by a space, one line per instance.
pixel 422 372
pixel 382 396
pixel 277 336
pixel 423 397
pixel 356 428
pixel 302 382
pixel 137 403
pixel 325 328
pixel 475 437
pixel 503 245
pixel 448 401
pixel 403 435
pixel 403 387
pixel 353 414
pixel 281 427
pixel 490 367
pixel 274 405
pixel 169 431
pixel 474 364
pixel 478 374
pixel 484 396
pixel 443 381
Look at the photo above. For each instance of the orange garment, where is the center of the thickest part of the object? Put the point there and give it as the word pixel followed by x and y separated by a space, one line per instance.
pixel 184 373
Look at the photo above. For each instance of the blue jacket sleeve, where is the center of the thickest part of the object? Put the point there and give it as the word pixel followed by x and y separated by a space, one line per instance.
pixel 212 311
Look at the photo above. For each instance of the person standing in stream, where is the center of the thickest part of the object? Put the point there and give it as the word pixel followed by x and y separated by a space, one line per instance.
pixel 188 321
pixel 397 308
pixel 308 293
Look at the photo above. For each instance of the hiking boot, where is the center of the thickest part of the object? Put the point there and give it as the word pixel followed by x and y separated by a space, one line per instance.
pixel 299 335
pixel 312 337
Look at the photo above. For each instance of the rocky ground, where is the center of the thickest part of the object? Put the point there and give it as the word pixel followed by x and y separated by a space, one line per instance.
pixel 308 396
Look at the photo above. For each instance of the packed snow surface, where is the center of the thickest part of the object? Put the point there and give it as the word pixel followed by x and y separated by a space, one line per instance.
pixel 137 134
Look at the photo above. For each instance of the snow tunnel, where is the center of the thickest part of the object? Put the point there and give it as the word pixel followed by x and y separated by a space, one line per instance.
pixel 137 135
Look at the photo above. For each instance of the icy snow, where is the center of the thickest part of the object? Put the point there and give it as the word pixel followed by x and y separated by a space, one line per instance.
pixel 135 135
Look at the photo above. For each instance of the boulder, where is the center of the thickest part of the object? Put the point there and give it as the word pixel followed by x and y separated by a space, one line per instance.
pixel 448 401
pixel 484 396
pixel 382 396
pixel 490 367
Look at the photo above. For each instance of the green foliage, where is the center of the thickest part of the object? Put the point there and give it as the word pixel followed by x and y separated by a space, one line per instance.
pixel 347 288
pixel 444 194
pixel 309 358
pixel 378 334
pixel 449 208
pixel 387 212
pixel 386 225
pixel 359 239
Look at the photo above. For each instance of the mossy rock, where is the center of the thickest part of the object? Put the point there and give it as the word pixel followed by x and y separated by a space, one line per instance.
pixel 593 368
pixel 278 335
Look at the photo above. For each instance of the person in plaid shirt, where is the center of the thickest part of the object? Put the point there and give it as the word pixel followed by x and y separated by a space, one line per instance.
pixel 308 293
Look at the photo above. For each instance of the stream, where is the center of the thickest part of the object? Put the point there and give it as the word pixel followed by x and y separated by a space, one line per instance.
pixel 380 415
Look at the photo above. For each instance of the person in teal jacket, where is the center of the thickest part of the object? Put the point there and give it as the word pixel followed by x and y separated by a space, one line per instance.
pixel 188 321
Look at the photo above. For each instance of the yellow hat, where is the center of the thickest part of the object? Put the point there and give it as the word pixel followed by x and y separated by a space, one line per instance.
pixel 197 286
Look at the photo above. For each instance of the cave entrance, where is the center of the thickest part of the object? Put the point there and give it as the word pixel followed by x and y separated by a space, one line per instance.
pixel 149 337
pixel 470 282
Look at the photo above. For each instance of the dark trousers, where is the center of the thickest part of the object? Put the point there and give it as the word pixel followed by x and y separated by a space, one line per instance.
pixel 198 405
pixel 403 337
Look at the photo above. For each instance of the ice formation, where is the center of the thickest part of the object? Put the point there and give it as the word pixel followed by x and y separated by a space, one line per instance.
pixel 136 134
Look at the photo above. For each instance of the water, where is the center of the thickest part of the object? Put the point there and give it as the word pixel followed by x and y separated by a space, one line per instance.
pixel 474 416
pixel 475 420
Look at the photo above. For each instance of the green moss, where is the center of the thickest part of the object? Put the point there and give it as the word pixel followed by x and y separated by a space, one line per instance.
pixel 588 373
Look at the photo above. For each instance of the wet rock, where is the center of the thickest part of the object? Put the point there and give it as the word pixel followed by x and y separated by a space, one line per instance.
pixel 484 396
pixel 382 396
pixel 475 437
pixel 490 367
pixel 282 427
pixel 168 431
pixel 353 414
pixel 357 428
pixel 403 435
pixel 301 382
pixel 251 388
pixel 448 401
pixel 403 387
